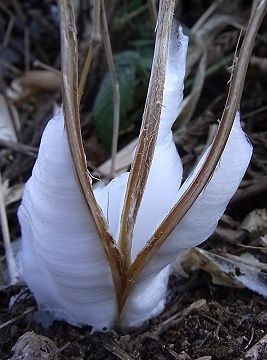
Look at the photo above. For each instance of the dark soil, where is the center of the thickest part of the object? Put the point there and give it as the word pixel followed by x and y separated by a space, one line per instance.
pixel 224 326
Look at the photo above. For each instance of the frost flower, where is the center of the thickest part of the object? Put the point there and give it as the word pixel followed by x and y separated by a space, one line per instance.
pixel 63 260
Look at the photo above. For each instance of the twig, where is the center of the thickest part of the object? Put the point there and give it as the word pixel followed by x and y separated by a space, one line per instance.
pixel 94 42
pixel 19 148
pixel 27 56
pixel 5 9
pixel 211 71
pixel 238 26
pixel 69 65
pixel 251 338
pixel 115 88
pixel 211 9
pixel 131 15
pixel 23 18
pixel 153 12
pixel 12 268
pixel 63 348
pixel 149 131
pixel 19 10
pixel 9 30
pixel 18 317
pixel 117 351
pixel 10 67
pixel 217 147
pixel 254 112
pixel 42 65
pixel 175 319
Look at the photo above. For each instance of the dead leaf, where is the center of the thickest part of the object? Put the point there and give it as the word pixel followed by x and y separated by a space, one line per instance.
pixel 231 235
pixel 228 230
pixel 9 118
pixel 32 82
pixel 256 222
pixel 203 37
pixel 13 193
pixel 258 350
pixel 232 273
pixel 190 102
pixel 248 259
pixel 32 346
pixel 123 160
pixel 263 240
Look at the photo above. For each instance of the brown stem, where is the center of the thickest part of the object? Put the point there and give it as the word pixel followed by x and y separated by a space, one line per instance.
pixel 69 64
pixel 149 130
pixel 115 88
pixel 94 42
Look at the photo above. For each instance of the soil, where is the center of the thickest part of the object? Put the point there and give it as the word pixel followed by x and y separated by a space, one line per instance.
pixel 202 320
pixel 222 324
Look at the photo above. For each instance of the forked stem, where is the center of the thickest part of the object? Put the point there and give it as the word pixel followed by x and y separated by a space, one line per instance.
pixel 149 131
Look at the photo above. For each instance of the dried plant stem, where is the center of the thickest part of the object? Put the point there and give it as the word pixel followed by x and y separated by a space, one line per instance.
pixel 149 131
pixel 11 264
pixel 9 109
pixel 131 15
pixel 19 10
pixel 69 64
pixel 20 148
pixel 27 45
pixel 43 66
pixel 153 11
pixel 8 32
pixel 10 67
pixel 207 14
pixel 86 68
pixel 94 42
pixel 115 87
pixel 18 317
pixel 205 173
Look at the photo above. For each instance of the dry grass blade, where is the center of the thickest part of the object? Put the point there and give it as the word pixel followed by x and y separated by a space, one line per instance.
pixel 94 42
pixel 188 198
pixel 190 102
pixel 152 7
pixel 11 264
pixel 18 317
pixel 207 14
pixel 148 135
pixel 69 63
pixel 115 88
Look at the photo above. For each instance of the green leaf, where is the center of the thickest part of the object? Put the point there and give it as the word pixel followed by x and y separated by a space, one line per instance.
pixel 125 65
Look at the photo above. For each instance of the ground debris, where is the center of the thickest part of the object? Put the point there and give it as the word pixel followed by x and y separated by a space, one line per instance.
pixel 32 346
pixel 258 351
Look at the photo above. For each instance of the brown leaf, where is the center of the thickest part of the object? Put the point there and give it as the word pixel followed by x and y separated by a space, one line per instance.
pixel 32 82
pixel 32 346
pixel 9 120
